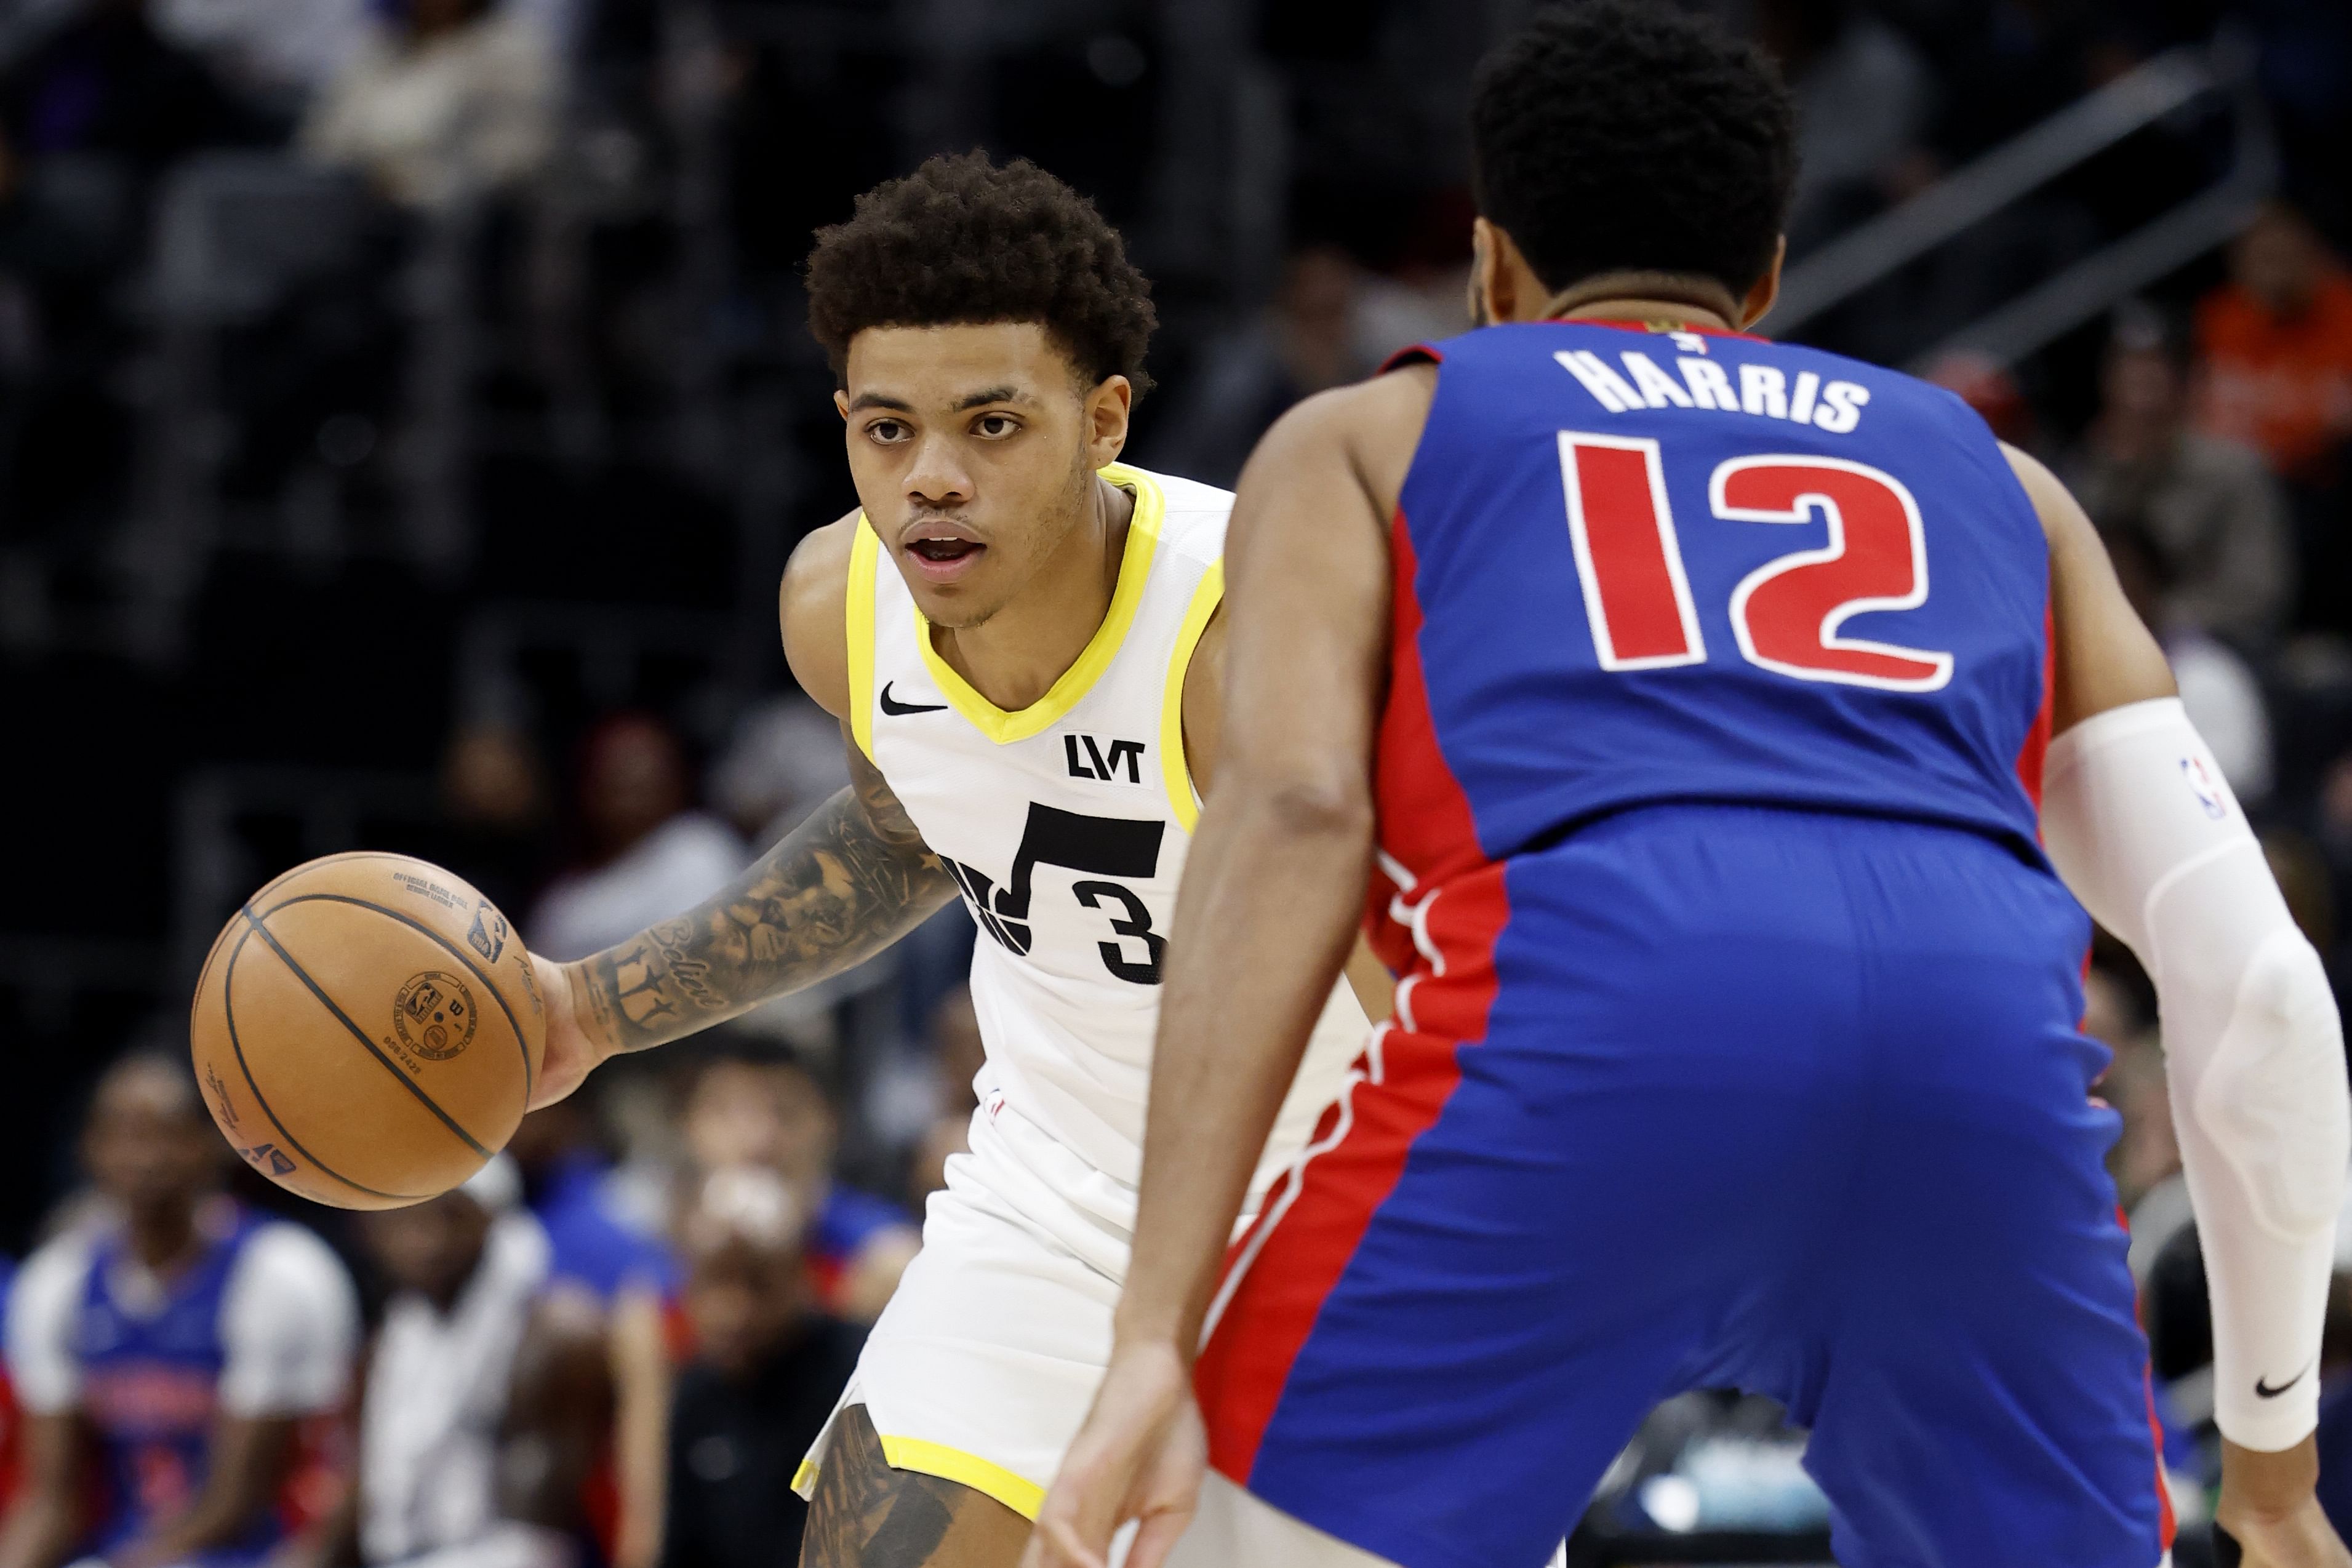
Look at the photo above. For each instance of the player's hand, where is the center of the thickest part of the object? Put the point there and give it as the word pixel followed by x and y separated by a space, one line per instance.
pixel 2268 1507
pixel 571 1053
pixel 1141 1455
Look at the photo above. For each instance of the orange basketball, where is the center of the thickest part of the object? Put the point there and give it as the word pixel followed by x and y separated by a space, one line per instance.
pixel 367 1030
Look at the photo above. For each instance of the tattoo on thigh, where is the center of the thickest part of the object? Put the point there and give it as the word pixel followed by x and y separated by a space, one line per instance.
pixel 868 1515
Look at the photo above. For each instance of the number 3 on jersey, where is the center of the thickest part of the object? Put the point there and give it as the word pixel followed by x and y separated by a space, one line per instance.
pixel 1100 846
pixel 1788 613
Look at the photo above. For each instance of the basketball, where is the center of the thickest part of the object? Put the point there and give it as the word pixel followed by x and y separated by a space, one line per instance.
pixel 366 1031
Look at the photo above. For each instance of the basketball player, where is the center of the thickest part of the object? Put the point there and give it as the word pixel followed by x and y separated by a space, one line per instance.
pixel 1694 697
pixel 1019 636
pixel 169 1355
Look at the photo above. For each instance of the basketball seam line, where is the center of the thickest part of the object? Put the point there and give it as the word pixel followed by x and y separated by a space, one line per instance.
pixel 457 952
pixel 228 1015
pixel 360 1035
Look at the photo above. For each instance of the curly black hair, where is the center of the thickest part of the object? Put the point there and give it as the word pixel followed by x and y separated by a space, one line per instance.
pixel 963 239
pixel 1626 136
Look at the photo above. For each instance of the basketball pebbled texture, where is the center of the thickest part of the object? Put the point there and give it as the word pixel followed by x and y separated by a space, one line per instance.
pixel 366 1030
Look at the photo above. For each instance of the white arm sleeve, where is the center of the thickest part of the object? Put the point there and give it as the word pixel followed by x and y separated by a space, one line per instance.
pixel 2145 832
pixel 289 1326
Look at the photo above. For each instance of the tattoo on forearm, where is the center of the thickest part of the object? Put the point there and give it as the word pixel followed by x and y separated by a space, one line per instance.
pixel 846 884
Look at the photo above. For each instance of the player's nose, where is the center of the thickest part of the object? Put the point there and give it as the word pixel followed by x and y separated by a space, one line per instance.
pixel 937 476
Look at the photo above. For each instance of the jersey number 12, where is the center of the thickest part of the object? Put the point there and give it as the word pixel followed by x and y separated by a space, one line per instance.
pixel 1787 614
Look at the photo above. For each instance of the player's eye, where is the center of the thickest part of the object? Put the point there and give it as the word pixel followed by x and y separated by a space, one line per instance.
pixel 994 427
pixel 889 432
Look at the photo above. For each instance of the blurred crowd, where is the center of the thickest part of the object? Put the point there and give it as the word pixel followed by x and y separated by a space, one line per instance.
pixel 404 414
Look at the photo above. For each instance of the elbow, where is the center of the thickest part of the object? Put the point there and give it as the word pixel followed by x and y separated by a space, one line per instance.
pixel 1327 809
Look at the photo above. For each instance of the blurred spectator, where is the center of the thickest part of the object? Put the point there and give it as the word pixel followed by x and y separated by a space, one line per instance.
pixel 2204 510
pixel 2333 819
pixel 487 1395
pixel 629 1276
pixel 99 108
pixel 2147 1153
pixel 494 802
pixel 763 1108
pixel 105 82
pixel 1987 388
pixel 596 1242
pixel 957 1054
pixel 784 760
pixel 279 53
pixel 445 101
pixel 2217 685
pixel 2277 345
pixel 1864 95
pixel 649 855
pixel 1305 342
pixel 768 1368
pixel 168 1352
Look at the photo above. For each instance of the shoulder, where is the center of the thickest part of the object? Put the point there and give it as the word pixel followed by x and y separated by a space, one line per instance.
pixel 42 1297
pixel 284 1271
pixel 2063 521
pixel 283 1255
pixel 813 606
pixel 43 1304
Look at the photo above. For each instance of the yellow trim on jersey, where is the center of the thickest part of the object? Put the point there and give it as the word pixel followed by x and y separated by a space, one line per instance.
pixel 1021 1495
pixel 1134 571
pixel 865 547
pixel 1174 768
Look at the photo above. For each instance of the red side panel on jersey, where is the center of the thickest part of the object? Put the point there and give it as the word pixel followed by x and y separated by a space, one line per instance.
pixel 2036 750
pixel 1315 1217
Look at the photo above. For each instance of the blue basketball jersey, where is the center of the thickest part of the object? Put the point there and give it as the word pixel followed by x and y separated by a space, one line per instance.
pixel 149 1389
pixel 1639 568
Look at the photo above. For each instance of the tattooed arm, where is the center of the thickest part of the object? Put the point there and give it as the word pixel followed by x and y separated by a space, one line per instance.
pixel 844 885
pixel 847 883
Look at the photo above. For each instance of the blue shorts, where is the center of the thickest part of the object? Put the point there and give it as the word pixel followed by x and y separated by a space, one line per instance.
pixel 1711 1097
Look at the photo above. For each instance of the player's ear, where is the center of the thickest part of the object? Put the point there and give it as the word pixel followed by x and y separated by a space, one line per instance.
pixel 841 403
pixel 1492 293
pixel 1765 292
pixel 1109 407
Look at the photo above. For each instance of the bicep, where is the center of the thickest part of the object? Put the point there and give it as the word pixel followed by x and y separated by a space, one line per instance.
pixel 1203 699
pixel 2103 653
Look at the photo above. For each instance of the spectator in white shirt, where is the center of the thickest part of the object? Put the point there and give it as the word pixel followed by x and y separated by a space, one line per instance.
pixel 649 855
pixel 167 1353
pixel 452 100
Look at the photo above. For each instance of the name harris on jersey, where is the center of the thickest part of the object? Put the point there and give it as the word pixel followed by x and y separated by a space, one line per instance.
pixel 1764 391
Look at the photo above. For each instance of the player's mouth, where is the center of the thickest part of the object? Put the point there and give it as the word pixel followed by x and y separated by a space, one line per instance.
pixel 941 551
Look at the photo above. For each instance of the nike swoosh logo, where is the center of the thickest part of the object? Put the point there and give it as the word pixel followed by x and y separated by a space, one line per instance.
pixel 893 707
pixel 2265 1391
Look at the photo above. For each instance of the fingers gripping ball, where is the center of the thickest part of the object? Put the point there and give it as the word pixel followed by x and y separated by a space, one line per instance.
pixel 367 1030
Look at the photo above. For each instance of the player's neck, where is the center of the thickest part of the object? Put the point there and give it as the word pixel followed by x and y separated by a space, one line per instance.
pixel 1015 657
pixel 162 1240
pixel 1661 314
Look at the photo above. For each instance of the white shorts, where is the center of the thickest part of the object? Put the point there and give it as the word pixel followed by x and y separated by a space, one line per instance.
pixel 985 1361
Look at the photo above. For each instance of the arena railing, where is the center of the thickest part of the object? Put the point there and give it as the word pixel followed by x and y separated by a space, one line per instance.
pixel 2155 91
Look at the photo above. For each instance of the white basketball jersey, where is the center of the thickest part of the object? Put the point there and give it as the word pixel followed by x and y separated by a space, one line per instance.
pixel 1066 825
